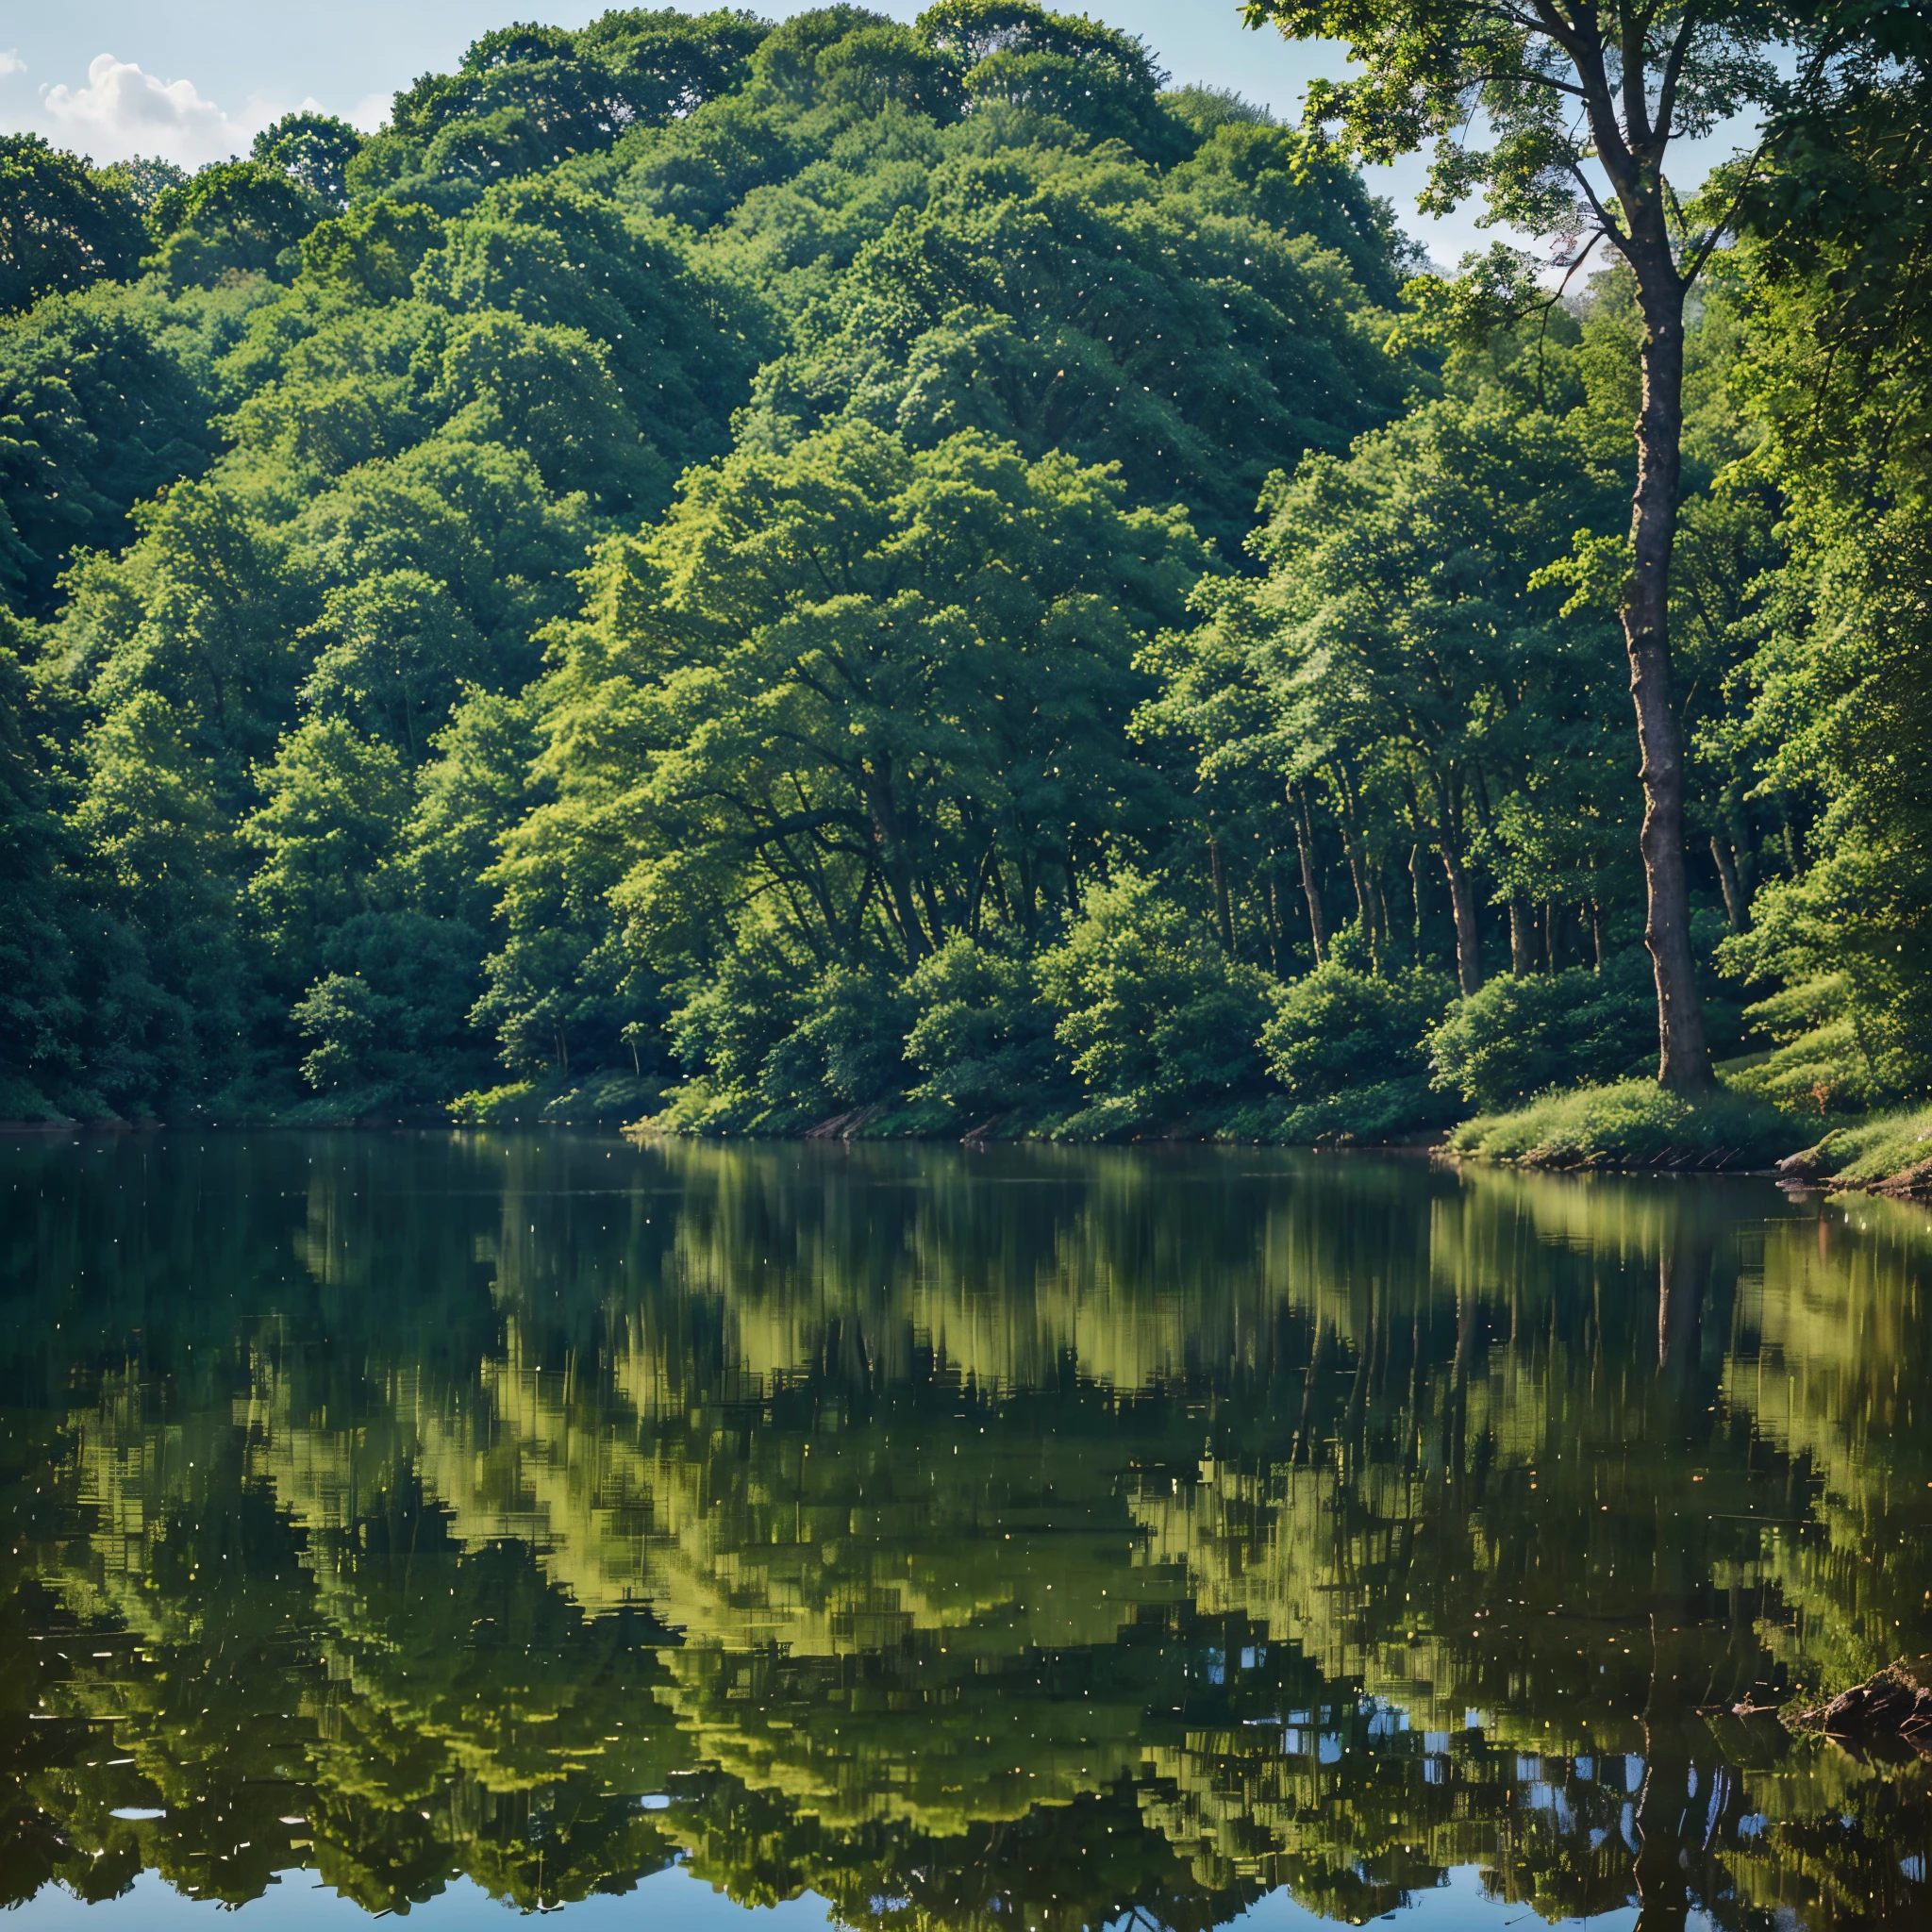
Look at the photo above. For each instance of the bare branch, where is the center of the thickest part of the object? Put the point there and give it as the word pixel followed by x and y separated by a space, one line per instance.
pixel 1673 73
pixel 1604 221
pixel 1585 47
pixel 1566 33
pixel 1636 133
pixel 1543 329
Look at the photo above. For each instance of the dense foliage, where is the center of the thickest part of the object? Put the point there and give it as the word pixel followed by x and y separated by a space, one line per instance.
pixel 908 575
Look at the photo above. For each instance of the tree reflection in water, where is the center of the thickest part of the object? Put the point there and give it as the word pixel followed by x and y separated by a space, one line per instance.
pixel 975 1539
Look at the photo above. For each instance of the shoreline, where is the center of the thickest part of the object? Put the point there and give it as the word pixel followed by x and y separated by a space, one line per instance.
pixel 1805 1170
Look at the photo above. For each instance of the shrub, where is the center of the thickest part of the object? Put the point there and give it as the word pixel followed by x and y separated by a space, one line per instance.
pixel 1350 1050
pixel 607 1098
pixel 727 1029
pixel 1526 1033
pixel 1830 1055
pixel 1158 1018
pixel 983 1038
pixel 1891 1154
pixel 1337 1030
pixel 781 1048
pixel 387 1022
pixel 850 1047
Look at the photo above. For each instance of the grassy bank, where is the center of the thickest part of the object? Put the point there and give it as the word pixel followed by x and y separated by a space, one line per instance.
pixel 602 1099
pixel 1637 1125
pixel 1888 1154
pixel 1634 1124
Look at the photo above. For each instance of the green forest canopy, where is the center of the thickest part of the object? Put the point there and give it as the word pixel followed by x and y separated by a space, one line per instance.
pixel 917 573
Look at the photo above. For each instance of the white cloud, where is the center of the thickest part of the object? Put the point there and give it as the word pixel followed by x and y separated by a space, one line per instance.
pixel 11 61
pixel 123 111
pixel 370 112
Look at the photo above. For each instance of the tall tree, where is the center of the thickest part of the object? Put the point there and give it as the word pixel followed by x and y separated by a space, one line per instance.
pixel 61 225
pixel 1583 100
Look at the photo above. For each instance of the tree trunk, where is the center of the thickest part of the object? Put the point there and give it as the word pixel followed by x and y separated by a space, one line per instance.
pixel 1363 881
pixel 1469 965
pixel 1683 1058
pixel 1743 854
pixel 1522 936
pixel 927 895
pixel 1662 1896
pixel 892 864
pixel 1739 913
pixel 1358 878
pixel 1359 870
pixel 1312 891
pixel 979 884
pixel 1224 911
pixel 899 891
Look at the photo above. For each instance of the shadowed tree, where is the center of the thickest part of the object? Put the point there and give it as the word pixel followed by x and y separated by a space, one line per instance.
pixel 61 225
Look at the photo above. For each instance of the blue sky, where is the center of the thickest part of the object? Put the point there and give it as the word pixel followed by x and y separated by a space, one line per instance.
pixel 193 79
pixel 211 71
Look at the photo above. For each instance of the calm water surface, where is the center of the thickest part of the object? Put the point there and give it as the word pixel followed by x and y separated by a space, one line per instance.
pixel 929 1539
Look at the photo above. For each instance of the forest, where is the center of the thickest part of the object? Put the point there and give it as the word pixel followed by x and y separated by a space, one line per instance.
pixel 920 579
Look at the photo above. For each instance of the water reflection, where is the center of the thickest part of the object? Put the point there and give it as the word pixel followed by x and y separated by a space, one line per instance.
pixel 975 1539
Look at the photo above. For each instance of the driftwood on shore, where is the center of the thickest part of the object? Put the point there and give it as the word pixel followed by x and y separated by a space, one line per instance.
pixel 1818 1167
pixel 1886 1716
pixel 1912 1183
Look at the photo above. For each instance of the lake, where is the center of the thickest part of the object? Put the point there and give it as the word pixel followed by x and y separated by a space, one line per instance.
pixel 926 1537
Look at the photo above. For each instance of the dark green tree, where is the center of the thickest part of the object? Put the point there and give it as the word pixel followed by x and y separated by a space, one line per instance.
pixel 39 1015
pixel 99 408
pixel 1840 361
pixel 234 218
pixel 61 225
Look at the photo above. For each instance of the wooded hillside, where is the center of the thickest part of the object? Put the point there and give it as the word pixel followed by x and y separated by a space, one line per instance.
pixel 749 574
